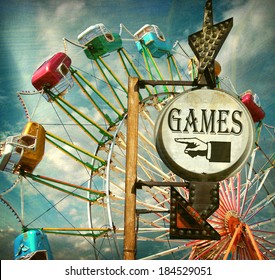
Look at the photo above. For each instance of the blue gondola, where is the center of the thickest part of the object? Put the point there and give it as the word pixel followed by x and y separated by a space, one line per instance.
pixel 32 245
pixel 152 37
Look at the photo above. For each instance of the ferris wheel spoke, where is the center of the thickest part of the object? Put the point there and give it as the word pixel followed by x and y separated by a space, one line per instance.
pixel 238 209
pixel 103 99
pixel 148 206
pixel 158 212
pixel 248 180
pixel 222 249
pixel 152 207
pixel 165 237
pixel 146 165
pixel 176 67
pixel 146 150
pixel 146 171
pixel 261 223
pixel 88 232
pixel 223 208
pixel 142 162
pixel 232 242
pixel 162 218
pixel 150 223
pixel 100 162
pixel 119 209
pixel 202 251
pixel 146 117
pixel 148 58
pixel 103 132
pixel 114 75
pixel 225 195
pixel 172 65
pixel 165 253
pixel 151 170
pixel 262 239
pixel 151 148
pixel 122 52
pixel 257 191
pixel 267 252
pixel 152 166
pixel 260 206
pixel 232 190
pixel 110 84
pixel 59 185
pixel 270 161
pixel 155 191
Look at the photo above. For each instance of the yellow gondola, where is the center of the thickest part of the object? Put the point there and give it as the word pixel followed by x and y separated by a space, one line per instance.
pixel 33 140
pixel 23 152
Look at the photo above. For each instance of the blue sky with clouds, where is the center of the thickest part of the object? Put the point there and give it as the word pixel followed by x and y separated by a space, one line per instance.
pixel 30 31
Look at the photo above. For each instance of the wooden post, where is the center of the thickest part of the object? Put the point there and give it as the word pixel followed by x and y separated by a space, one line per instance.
pixel 131 170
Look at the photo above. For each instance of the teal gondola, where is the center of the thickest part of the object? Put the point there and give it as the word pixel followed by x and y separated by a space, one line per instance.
pixel 152 37
pixel 32 245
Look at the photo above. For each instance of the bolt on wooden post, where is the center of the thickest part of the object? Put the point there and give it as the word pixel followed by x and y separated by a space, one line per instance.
pixel 131 170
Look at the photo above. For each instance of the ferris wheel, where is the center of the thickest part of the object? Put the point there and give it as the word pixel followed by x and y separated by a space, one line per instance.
pixel 70 157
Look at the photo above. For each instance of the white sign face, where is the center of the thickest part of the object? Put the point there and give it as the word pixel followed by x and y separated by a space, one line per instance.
pixel 204 135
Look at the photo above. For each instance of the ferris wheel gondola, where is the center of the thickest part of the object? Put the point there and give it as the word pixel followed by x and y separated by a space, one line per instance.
pixel 32 245
pixel 153 38
pixel 252 102
pixel 23 152
pixel 54 75
pixel 98 40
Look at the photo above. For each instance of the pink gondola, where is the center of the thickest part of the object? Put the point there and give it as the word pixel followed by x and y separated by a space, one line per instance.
pixel 252 102
pixel 52 73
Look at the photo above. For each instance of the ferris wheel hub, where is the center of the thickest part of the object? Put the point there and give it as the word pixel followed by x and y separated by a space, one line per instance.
pixel 232 222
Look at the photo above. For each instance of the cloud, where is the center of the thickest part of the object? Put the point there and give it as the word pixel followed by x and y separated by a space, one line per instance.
pixel 63 12
pixel 252 35
pixel 6 248
pixel 56 18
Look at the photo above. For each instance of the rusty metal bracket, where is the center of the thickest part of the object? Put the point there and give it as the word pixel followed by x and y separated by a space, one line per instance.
pixel 143 83
pixel 151 184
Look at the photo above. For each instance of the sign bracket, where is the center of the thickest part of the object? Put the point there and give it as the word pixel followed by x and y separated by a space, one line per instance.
pixel 153 83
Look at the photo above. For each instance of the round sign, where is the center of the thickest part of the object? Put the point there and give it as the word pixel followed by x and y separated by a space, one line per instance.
pixel 204 135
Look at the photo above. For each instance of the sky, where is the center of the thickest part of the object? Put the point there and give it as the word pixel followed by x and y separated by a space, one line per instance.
pixel 30 31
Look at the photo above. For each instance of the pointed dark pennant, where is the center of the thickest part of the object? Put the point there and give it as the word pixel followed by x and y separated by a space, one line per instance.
pixel 207 43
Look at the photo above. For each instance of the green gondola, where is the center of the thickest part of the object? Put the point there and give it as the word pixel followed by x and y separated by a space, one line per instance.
pixel 98 41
